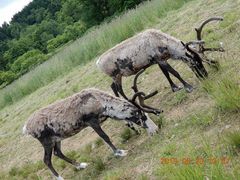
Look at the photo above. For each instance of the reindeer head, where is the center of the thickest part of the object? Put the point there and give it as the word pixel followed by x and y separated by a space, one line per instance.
pixel 195 55
pixel 135 112
pixel 141 117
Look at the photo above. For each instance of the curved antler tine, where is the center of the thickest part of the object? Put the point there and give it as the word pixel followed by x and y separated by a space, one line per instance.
pixel 138 94
pixel 135 80
pixel 155 111
pixel 147 108
pixel 150 95
pixel 141 97
pixel 199 34
pixel 220 49
pixel 200 43
pixel 199 29
pixel 195 42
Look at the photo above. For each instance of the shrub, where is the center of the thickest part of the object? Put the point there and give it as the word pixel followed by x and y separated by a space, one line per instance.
pixel 7 77
pixel 56 42
pixel 27 61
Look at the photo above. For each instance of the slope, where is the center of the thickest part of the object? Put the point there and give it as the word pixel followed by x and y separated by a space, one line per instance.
pixel 196 127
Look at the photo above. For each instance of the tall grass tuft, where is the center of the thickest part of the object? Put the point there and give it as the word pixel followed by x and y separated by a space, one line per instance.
pixel 126 134
pixel 91 45
pixel 226 93
pixel 233 139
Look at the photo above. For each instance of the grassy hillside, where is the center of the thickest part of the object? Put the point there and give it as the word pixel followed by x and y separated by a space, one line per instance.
pixel 200 135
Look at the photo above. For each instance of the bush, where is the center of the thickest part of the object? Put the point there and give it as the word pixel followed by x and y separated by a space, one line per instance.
pixel 7 77
pixel 27 61
pixel 56 42
pixel 71 32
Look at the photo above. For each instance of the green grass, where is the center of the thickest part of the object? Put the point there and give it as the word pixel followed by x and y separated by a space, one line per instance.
pixel 126 135
pixel 202 124
pixel 94 43
pixel 25 172
pixel 233 139
pixel 225 91
pixel 196 162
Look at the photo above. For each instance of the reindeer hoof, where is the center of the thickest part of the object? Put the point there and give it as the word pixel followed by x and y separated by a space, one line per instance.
pixel 120 153
pixel 158 112
pixel 176 88
pixel 188 88
pixel 59 178
pixel 152 128
pixel 82 166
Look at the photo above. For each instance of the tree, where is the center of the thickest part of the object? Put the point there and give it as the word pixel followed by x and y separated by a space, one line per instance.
pixel 27 61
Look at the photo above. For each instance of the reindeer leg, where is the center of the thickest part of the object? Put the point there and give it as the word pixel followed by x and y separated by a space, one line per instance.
pixel 115 89
pixel 48 145
pixel 166 73
pixel 118 83
pixel 94 123
pixel 130 125
pixel 58 153
pixel 169 68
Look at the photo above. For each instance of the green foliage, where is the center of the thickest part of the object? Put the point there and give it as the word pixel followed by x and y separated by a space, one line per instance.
pixel 47 25
pixel 16 49
pixel 7 77
pixel 45 31
pixel 74 31
pixel 92 44
pixel 56 42
pixel 70 12
pixel 28 61
pixel 71 32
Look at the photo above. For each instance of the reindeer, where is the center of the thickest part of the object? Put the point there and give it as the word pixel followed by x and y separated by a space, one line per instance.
pixel 154 47
pixel 90 107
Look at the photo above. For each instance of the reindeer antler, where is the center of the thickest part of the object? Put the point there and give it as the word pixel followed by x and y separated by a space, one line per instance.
pixel 141 97
pixel 202 49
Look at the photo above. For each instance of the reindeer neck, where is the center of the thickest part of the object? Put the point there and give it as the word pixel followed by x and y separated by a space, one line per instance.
pixel 115 107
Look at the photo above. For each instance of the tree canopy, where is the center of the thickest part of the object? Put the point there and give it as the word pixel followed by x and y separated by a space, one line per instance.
pixel 43 26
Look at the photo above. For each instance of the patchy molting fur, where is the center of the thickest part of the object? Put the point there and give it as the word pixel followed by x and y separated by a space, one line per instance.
pixel 69 116
pixel 141 50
